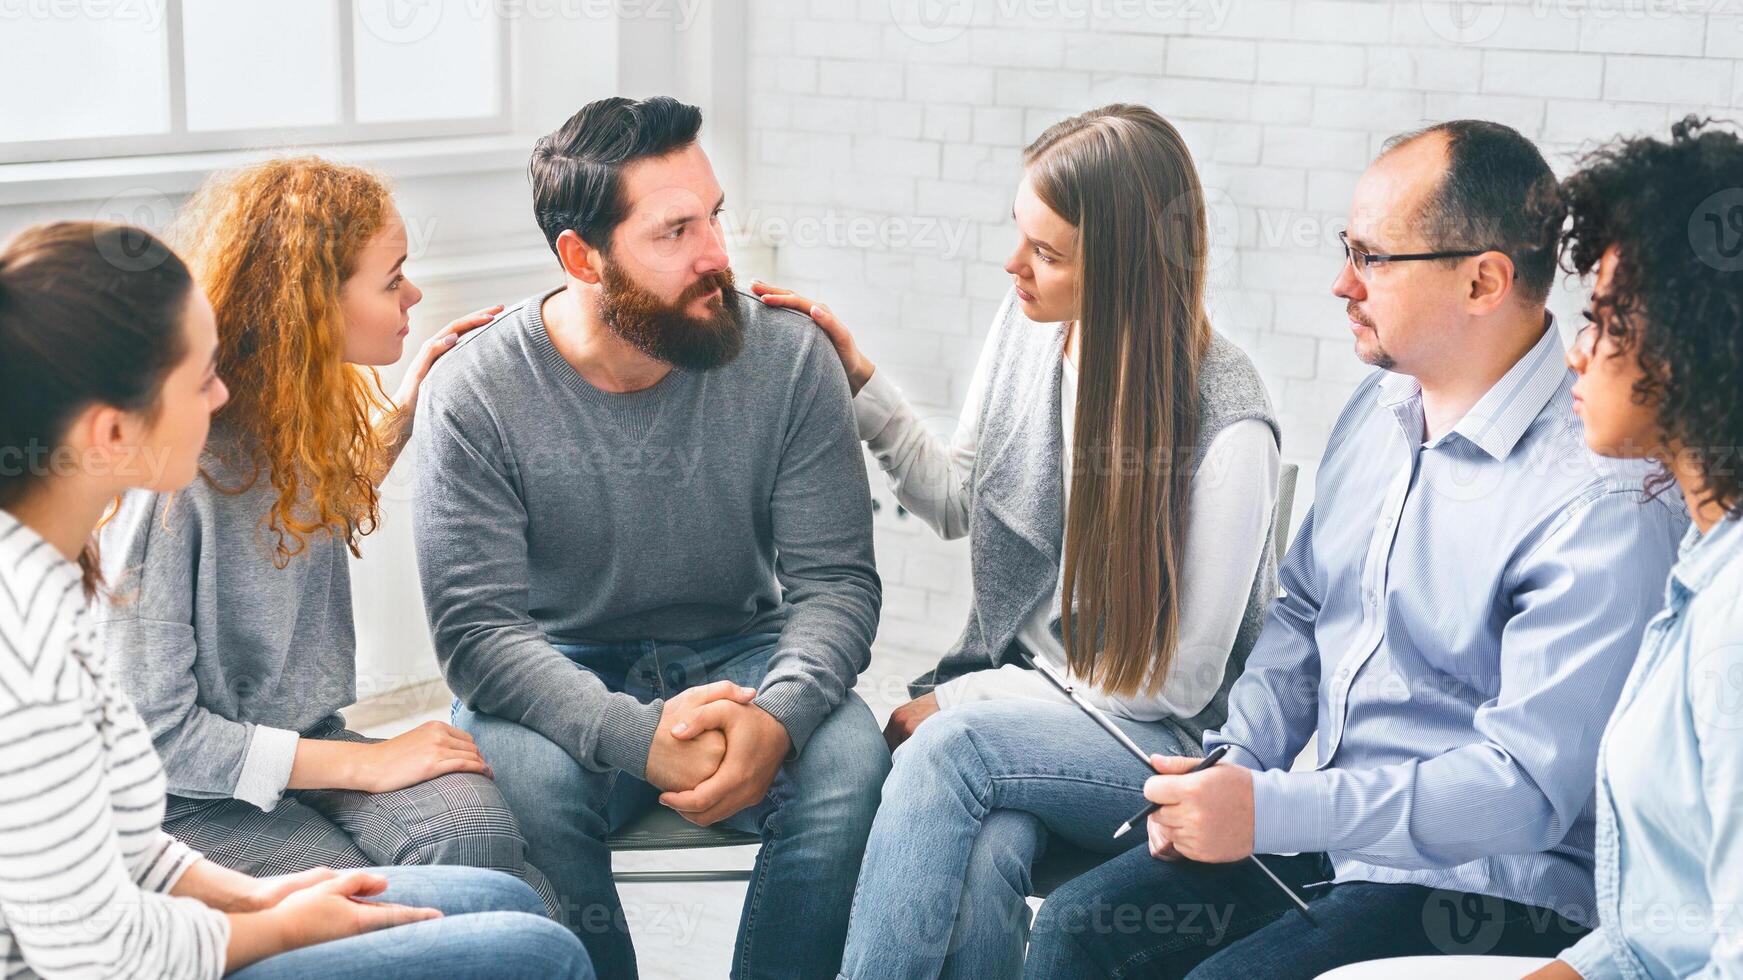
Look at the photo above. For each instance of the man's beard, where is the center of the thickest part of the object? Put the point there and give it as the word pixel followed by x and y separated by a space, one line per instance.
pixel 664 331
pixel 1375 356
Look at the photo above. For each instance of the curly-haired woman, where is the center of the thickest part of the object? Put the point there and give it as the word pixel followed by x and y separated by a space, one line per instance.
pixel 1661 365
pixel 231 624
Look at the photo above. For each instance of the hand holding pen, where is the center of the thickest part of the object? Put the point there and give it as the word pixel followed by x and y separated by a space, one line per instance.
pixel 1106 724
pixel 1212 759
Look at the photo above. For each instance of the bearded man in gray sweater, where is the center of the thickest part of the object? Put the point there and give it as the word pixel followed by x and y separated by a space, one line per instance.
pixel 644 537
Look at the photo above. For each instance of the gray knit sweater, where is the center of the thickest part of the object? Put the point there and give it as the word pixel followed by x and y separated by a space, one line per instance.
pixel 714 503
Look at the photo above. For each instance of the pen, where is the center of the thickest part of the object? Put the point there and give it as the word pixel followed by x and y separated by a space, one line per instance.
pixel 1215 757
pixel 1107 725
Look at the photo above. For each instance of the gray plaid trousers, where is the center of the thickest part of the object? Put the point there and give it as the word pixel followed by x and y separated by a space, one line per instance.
pixel 456 818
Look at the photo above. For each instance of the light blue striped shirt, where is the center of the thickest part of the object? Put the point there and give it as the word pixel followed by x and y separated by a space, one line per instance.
pixel 1670 784
pixel 1457 620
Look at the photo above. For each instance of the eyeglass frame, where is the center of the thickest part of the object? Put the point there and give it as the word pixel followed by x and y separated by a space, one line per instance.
pixel 1381 258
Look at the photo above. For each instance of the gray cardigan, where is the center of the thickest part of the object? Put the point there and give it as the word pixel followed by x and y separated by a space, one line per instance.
pixel 1016 520
pixel 228 657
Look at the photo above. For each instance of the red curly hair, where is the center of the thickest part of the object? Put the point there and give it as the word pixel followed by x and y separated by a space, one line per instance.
pixel 272 244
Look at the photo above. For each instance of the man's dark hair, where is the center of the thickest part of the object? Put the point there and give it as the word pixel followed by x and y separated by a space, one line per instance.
pixel 1497 193
pixel 1674 212
pixel 575 171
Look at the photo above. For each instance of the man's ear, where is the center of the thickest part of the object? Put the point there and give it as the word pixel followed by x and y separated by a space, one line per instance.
pixel 580 260
pixel 1491 283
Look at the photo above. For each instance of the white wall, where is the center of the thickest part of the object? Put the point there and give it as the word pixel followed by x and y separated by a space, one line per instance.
pixel 910 114
pixel 469 215
pixel 870 147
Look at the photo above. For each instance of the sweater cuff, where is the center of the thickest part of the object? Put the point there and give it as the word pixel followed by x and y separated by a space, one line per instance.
pixel 798 708
pixel 875 404
pixel 626 734
pixel 266 768
pixel 1290 812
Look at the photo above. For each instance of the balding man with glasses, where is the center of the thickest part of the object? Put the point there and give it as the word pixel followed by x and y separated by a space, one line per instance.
pixel 1461 606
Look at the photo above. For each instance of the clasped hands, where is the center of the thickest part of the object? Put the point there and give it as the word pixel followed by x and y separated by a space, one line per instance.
pixel 715 753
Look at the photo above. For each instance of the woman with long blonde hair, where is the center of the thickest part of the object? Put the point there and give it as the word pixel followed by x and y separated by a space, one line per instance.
pixel 1115 469
pixel 232 623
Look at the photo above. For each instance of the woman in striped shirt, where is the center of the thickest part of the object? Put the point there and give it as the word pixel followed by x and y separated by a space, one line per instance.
pixel 107 382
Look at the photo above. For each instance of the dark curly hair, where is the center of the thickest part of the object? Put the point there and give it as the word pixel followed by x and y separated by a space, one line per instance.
pixel 1674 212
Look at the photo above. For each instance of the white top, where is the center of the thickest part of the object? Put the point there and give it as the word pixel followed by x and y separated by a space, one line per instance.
pixel 85 864
pixel 1229 510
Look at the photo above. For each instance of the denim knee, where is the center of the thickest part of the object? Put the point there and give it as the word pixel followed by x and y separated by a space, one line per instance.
pixel 506 893
pixel 460 890
pixel 845 762
pixel 942 742
pixel 534 773
pixel 540 947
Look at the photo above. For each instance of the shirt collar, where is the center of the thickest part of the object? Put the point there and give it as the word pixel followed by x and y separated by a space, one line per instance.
pixel 1498 420
pixel 1703 556
pixel 25 554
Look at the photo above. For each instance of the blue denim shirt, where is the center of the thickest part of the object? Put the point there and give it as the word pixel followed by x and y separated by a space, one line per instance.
pixel 1458 617
pixel 1670 784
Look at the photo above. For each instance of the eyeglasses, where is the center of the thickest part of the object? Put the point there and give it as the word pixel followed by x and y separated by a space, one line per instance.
pixel 1363 260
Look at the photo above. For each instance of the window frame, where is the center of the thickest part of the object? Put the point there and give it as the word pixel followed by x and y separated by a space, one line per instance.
pixel 180 140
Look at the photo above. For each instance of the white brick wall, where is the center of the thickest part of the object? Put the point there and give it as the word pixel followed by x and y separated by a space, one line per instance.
pixel 910 114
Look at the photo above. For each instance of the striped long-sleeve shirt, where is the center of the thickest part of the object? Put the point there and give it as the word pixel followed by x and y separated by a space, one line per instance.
pixel 85 865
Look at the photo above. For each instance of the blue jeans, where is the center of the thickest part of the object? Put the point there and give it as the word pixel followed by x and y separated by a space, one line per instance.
pixel 493 926
pixel 813 822
pixel 974 798
pixel 1136 916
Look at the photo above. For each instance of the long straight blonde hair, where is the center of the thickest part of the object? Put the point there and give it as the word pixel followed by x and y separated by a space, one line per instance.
pixel 1122 176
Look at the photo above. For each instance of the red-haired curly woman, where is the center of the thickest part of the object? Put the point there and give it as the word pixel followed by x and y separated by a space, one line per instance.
pixel 230 616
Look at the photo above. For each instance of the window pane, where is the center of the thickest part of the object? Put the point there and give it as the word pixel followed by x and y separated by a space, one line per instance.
pixel 254 64
pixel 434 59
pixel 69 73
